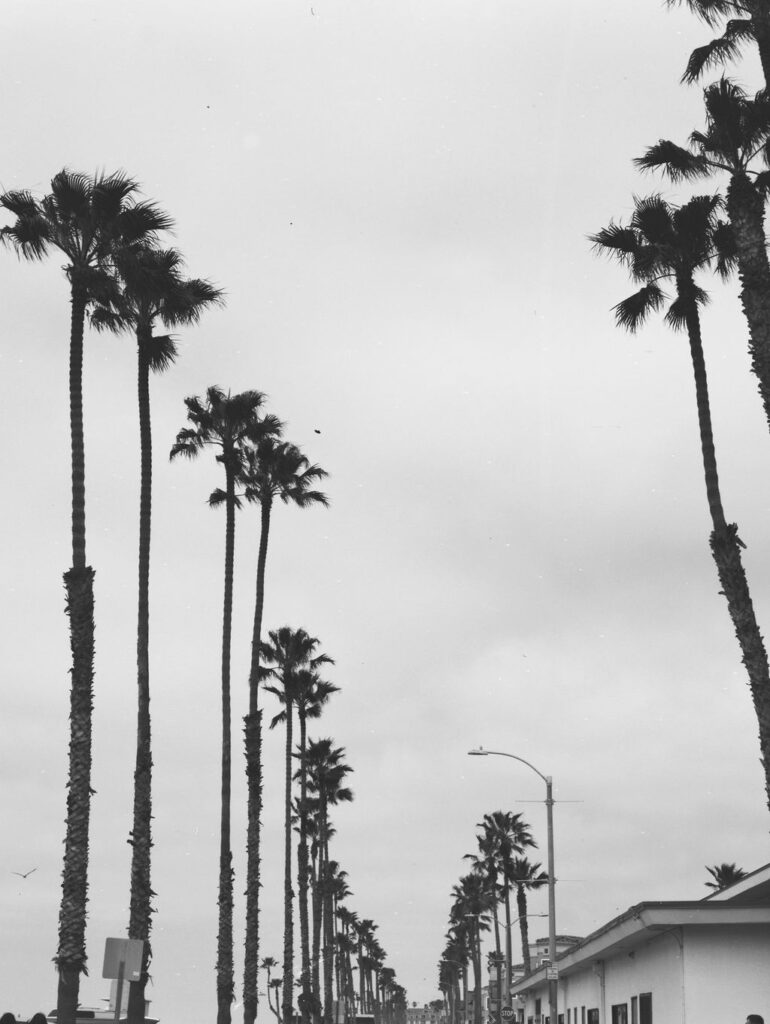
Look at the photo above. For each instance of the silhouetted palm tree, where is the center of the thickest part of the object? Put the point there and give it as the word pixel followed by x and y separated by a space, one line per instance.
pixel 151 288
pixel 668 243
pixel 288 652
pixel 311 696
pixel 274 469
pixel 88 219
pixel 326 774
pixel 471 906
pixel 525 876
pixel 227 423
pixel 736 135
pixel 724 875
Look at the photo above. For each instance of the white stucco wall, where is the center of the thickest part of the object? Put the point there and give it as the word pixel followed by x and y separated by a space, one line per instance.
pixel 725 982
pixel 721 977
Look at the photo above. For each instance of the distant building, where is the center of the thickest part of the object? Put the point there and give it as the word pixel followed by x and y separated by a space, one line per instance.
pixel 426 1014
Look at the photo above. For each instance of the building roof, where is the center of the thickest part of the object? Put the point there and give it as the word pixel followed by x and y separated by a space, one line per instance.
pixel 746 902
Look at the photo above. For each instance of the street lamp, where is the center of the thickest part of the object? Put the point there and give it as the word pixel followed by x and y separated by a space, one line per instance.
pixel 552 984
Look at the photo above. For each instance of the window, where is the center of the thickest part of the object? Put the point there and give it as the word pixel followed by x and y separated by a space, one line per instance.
pixel 593 1015
pixel 634 1010
pixel 620 1013
pixel 569 1015
pixel 582 1015
pixel 645 1008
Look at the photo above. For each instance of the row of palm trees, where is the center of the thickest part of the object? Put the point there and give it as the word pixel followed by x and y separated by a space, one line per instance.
pixel 498 869
pixel 667 248
pixel 122 279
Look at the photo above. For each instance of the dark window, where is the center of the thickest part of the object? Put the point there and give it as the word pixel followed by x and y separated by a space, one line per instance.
pixel 645 1008
pixel 593 1015
pixel 582 1015
pixel 634 1010
pixel 620 1013
pixel 538 1007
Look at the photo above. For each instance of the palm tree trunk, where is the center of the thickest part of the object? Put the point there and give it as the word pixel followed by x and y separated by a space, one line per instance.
pixel 746 210
pixel 140 921
pixel 521 907
pixel 225 979
pixel 288 892
pixel 318 913
pixel 327 928
pixel 725 547
pixel 302 870
pixel 79 585
pixel 253 734
pixel 476 940
pixel 509 939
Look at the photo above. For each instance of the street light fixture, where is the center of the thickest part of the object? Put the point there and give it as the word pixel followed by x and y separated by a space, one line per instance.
pixel 552 984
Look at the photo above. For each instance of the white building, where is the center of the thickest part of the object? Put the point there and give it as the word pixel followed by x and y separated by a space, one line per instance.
pixel 703 962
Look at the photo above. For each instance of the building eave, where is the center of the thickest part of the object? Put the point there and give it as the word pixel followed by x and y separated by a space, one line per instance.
pixel 636 926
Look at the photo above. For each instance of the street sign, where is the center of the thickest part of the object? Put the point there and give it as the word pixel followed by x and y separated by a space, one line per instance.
pixel 508 1013
pixel 552 973
pixel 123 958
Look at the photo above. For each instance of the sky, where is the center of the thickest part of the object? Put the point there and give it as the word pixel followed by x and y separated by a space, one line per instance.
pixel 396 197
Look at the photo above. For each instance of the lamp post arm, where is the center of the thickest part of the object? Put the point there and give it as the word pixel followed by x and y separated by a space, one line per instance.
pixel 502 753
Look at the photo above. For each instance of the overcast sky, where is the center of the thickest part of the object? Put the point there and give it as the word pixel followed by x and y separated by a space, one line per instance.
pixel 395 195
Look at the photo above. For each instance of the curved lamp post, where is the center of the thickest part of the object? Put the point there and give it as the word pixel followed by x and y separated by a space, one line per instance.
pixel 552 984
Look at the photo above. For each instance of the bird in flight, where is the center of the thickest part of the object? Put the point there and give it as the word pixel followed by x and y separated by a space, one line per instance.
pixel 24 874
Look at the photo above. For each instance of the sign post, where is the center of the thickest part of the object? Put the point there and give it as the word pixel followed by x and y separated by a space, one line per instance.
pixel 122 960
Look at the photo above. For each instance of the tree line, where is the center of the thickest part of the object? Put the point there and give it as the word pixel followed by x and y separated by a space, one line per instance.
pixel 499 870
pixel 123 279
pixel 667 248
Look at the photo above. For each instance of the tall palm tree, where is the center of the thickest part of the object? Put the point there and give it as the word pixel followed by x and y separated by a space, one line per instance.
pixel 472 903
pixel 668 243
pixel 274 469
pixel 503 835
pixel 228 424
pixel 288 652
pixel 734 141
pixel 312 694
pixel 151 288
pixel 486 864
pixel 749 22
pixel 87 219
pixel 525 876
pixel 724 875
pixel 326 775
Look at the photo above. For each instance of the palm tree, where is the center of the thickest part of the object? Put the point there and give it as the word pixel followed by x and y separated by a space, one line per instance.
pixel 274 469
pixel 227 423
pixel 326 774
pixel 472 902
pixel 268 965
pixel 288 652
pixel 752 24
pixel 736 134
pixel 87 219
pixel 525 876
pixel 151 288
pixel 312 694
pixel 664 242
pixel 488 867
pixel 503 835
pixel 724 875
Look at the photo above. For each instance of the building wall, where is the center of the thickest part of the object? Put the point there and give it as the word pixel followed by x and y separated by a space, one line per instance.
pixel 654 967
pixel 695 977
pixel 741 963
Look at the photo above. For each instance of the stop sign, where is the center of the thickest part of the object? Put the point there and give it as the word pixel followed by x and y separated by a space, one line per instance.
pixel 507 1013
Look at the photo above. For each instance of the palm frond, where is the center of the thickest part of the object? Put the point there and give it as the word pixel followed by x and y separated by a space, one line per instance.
pixel 677 162
pixel 622 242
pixel 726 251
pixel 103 318
pixel 161 352
pixel 71 193
pixel 710 11
pixel 720 50
pixel 634 310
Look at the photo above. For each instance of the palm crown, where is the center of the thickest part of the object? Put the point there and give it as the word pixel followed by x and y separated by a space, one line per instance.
pixel 88 218
pixel 661 242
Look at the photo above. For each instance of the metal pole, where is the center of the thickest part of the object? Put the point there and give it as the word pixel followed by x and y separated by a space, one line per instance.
pixel 552 984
